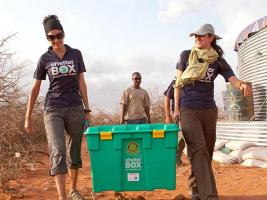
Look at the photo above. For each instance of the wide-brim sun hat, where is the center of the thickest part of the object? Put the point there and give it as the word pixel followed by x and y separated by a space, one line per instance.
pixel 205 29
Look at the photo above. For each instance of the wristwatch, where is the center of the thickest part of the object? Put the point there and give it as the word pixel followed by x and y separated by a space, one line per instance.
pixel 86 110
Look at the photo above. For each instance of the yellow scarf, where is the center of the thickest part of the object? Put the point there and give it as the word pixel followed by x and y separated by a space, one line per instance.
pixel 196 70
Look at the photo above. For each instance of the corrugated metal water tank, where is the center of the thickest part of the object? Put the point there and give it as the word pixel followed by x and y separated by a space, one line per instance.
pixel 251 46
pixel 252 62
pixel 254 131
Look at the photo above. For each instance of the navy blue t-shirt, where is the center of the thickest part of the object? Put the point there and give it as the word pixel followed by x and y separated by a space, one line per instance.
pixel 200 95
pixel 63 76
pixel 170 93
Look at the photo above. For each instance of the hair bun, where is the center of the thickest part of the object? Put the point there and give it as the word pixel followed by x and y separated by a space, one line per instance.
pixel 51 22
pixel 54 17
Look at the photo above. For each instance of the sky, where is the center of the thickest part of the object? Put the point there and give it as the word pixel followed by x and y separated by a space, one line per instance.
pixel 119 37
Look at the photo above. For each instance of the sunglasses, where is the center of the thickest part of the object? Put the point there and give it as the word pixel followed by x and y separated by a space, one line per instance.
pixel 137 79
pixel 58 36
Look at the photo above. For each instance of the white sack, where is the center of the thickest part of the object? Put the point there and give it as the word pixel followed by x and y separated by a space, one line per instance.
pixel 224 158
pixel 258 154
pixel 219 144
pixel 255 163
pixel 239 153
pixel 238 145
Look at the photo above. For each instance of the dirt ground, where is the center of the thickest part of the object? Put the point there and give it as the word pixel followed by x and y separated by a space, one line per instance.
pixel 234 182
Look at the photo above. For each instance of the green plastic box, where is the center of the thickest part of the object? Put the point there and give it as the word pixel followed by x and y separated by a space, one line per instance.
pixel 133 157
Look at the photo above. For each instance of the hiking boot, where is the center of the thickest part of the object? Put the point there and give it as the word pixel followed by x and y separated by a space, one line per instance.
pixel 75 195
pixel 194 193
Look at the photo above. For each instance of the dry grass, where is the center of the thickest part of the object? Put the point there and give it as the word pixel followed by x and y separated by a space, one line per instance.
pixel 16 148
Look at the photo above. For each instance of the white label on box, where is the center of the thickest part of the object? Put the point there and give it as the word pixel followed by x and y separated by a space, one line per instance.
pixel 133 163
pixel 133 176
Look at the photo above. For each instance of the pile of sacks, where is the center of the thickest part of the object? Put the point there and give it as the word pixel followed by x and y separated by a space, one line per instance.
pixel 246 153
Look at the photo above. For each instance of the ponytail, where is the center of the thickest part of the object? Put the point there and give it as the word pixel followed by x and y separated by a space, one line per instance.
pixel 217 48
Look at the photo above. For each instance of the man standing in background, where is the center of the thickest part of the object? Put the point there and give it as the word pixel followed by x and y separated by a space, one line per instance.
pixel 135 103
pixel 169 107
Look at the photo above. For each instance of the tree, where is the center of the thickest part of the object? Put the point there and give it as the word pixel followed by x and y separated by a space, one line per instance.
pixel 15 147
